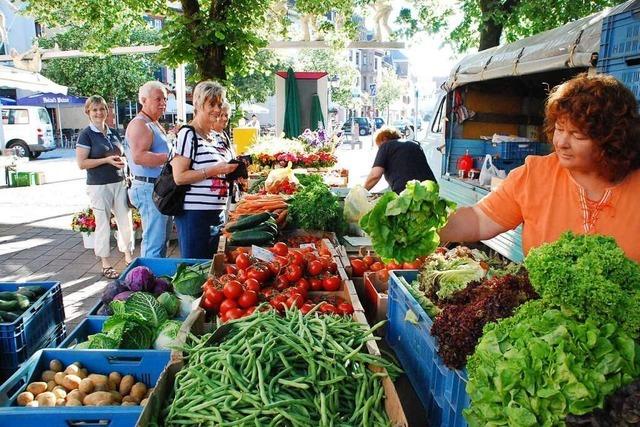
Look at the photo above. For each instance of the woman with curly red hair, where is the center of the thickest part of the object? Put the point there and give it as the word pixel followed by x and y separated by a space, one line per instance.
pixel 589 185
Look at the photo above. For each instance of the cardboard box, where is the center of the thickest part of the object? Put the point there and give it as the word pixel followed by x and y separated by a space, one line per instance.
pixel 376 298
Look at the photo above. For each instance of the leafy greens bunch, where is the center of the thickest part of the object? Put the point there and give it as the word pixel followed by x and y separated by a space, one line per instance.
pixel 314 207
pixel 536 367
pixel 404 227
pixel 588 275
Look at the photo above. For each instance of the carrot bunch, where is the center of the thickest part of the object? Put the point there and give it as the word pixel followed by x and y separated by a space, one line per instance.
pixel 257 203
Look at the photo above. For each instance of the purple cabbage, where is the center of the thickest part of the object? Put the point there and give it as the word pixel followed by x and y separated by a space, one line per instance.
pixel 123 296
pixel 160 286
pixel 140 278
pixel 111 290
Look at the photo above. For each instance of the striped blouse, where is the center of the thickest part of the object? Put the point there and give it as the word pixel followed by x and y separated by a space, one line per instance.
pixel 211 193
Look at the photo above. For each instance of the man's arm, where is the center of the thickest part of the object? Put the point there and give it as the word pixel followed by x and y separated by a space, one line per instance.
pixel 470 224
pixel 374 176
pixel 140 138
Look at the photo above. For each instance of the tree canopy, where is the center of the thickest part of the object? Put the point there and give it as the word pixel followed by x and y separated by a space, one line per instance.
pixel 485 23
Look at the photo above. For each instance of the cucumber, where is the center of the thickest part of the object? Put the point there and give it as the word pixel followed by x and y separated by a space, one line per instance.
pixel 8 296
pixel 8 305
pixel 23 301
pixel 37 290
pixel 248 221
pixel 250 237
pixel 27 293
pixel 8 317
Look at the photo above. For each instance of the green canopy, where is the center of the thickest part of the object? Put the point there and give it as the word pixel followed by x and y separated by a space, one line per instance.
pixel 317 119
pixel 292 106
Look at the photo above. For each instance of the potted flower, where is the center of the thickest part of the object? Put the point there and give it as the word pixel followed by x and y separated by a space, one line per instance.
pixel 85 222
pixel 137 224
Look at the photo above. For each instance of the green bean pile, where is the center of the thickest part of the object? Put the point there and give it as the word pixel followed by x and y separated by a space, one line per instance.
pixel 291 370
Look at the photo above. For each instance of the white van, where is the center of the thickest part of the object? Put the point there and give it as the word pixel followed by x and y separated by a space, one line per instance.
pixel 27 129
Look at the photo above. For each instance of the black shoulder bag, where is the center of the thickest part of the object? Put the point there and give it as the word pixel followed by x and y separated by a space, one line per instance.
pixel 167 195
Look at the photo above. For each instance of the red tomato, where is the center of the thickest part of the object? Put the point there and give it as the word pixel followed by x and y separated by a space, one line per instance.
pixel 306 307
pixel 293 273
pixel 326 261
pixel 231 269
pixel 216 296
pixel 274 267
pixel 235 313
pixel 382 275
pixel 415 265
pixel 227 277
pixel 315 267
pixel 209 305
pixel 345 308
pixel 282 283
pixel 223 317
pixel 316 284
pixel 267 292
pixel 232 290
pixel 331 283
pixel 252 285
pixel 296 257
pixel 358 266
pixel 227 305
pixel 260 272
pixel 243 261
pixel 303 285
pixel 333 267
pixel 248 299
pixel 328 308
pixel 369 260
pixel 250 310
pixel 281 249
pixel 376 266
pixel 392 265
pixel 278 302
pixel 295 300
pixel 242 275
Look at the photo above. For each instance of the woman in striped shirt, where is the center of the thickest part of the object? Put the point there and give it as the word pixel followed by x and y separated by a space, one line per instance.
pixel 204 172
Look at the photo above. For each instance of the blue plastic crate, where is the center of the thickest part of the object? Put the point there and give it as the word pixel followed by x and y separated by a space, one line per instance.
pixel 10 362
pixel 89 326
pixel 626 73
pixel 159 267
pixel 456 148
pixel 507 165
pixel 511 150
pixel 72 416
pixel 440 389
pixel 144 365
pixel 620 35
pixel 39 321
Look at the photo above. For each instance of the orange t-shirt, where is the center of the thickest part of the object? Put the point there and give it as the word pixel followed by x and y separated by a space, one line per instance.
pixel 544 197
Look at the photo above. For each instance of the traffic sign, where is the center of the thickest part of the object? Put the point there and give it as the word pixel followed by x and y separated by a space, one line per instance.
pixel 373 91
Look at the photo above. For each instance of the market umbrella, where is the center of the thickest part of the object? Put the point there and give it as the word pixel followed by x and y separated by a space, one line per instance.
pixel 317 120
pixel 292 106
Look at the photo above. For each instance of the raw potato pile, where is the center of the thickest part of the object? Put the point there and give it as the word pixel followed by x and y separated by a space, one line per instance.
pixel 75 386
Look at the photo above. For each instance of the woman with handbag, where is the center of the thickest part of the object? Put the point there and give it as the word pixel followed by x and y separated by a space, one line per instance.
pixel 203 169
pixel 99 151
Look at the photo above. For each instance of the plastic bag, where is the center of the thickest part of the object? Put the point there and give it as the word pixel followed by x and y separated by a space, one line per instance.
pixel 488 171
pixel 357 204
pixel 277 176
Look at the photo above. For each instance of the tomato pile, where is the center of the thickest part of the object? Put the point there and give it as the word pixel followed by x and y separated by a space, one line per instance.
pixel 284 282
pixel 281 187
pixel 361 265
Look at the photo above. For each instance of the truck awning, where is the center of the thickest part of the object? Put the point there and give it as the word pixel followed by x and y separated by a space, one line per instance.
pixel 575 44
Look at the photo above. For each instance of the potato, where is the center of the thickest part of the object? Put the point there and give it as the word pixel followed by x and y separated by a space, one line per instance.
pixel 129 403
pixel 96 397
pixel 138 391
pixel 59 377
pixel 73 402
pixel 86 386
pixel 24 398
pixel 60 392
pixel 48 376
pixel 60 402
pixel 51 385
pixel 55 365
pixel 116 396
pixel 76 394
pixel 33 404
pixel 126 384
pixel 112 385
pixel 129 399
pixel 37 388
pixel 98 379
pixel 149 391
pixel 46 399
pixel 78 364
pixel 104 403
pixel 143 402
pixel 71 370
pixel 71 382
pixel 116 378
pixel 100 387
pixel 83 373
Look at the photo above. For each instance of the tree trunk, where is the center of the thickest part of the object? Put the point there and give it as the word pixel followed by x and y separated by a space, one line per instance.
pixel 211 66
pixel 490 34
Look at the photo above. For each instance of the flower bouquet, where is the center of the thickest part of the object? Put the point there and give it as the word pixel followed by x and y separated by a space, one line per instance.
pixel 312 149
pixel 137 220
pixel 84 221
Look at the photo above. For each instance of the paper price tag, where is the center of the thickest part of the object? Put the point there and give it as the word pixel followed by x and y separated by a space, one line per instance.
pixel 262 254
pixel 308 245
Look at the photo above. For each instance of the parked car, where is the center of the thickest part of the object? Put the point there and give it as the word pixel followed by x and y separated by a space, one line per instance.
pixel 379 122
pixel 27 129
pixel 364 126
